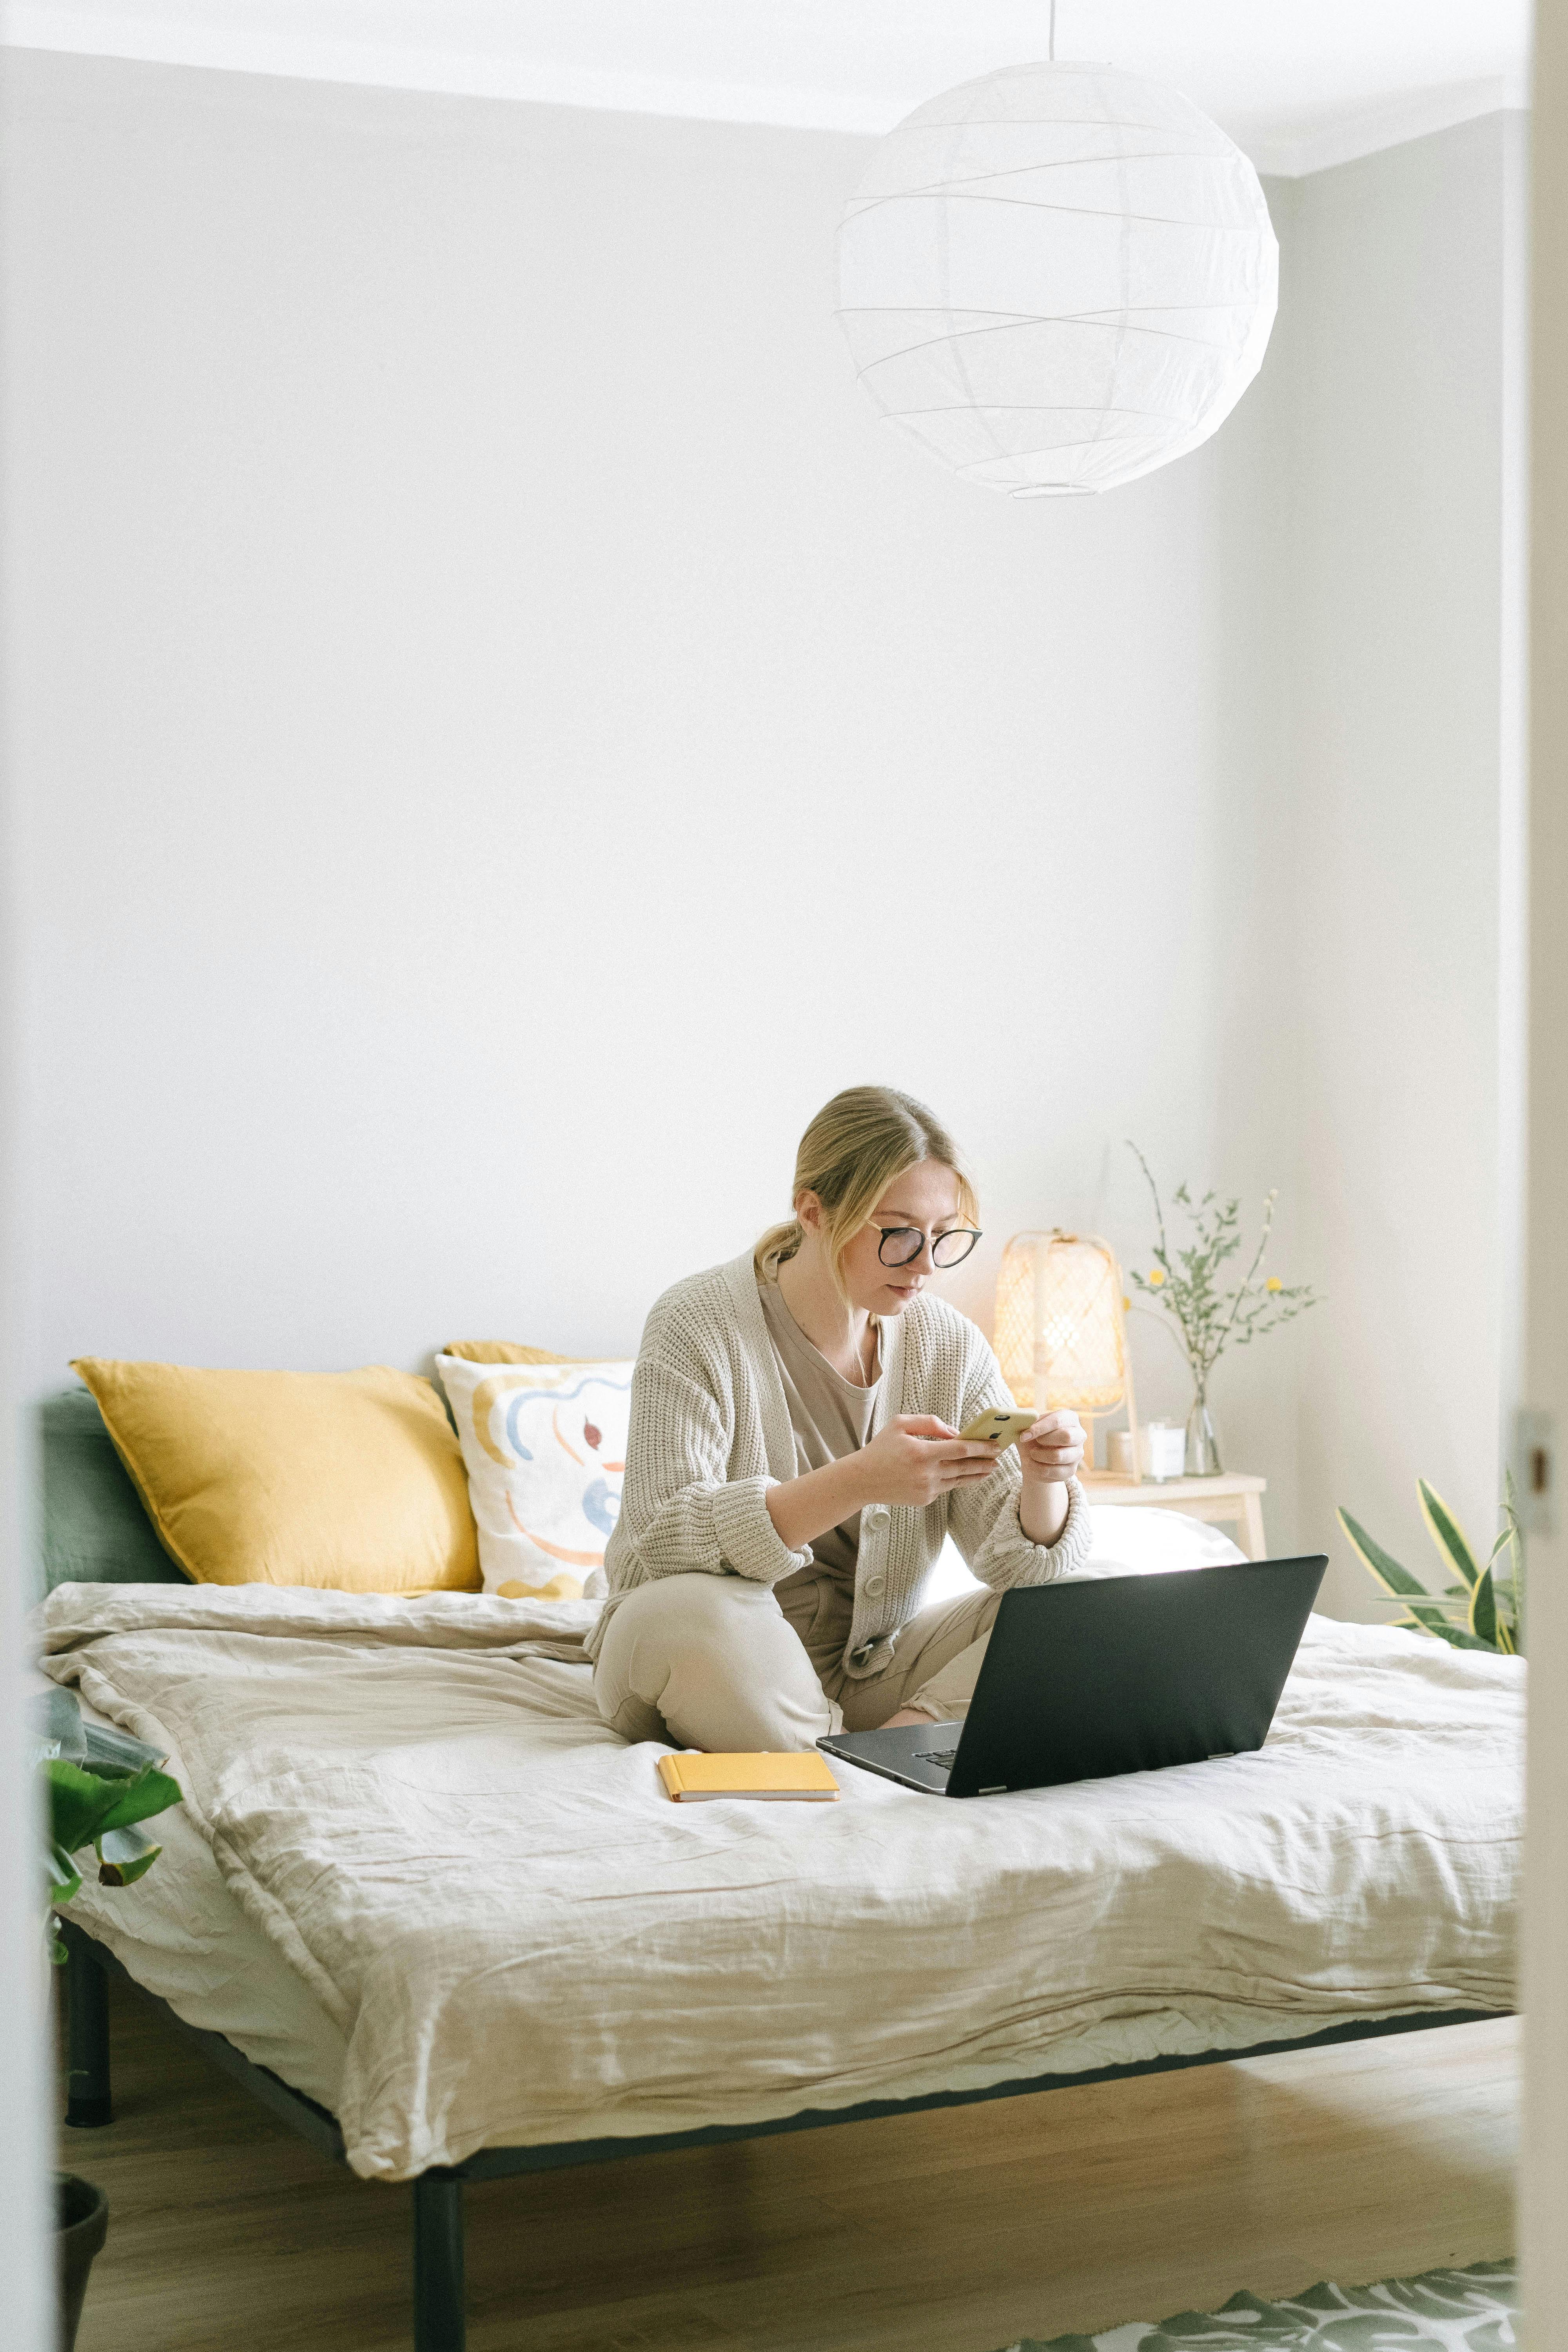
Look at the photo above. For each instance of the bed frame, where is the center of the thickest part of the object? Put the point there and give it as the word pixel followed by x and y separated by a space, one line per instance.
pixel 439 2307
pixel 95 1530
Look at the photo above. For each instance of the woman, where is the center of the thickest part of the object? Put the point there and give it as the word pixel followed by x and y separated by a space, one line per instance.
pixel 794 1464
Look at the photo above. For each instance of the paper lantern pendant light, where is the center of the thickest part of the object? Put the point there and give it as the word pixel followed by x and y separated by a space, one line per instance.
pixel 1057 278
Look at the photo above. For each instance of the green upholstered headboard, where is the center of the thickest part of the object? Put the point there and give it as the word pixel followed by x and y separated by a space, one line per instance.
pixel 91 1525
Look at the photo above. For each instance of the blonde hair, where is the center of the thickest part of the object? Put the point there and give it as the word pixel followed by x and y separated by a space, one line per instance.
pixel 848 1156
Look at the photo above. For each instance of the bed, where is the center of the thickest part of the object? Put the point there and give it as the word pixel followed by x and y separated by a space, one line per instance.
pixel 446 1925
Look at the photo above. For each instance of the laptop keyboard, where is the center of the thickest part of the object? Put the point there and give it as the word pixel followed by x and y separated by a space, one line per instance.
pixel 948 1756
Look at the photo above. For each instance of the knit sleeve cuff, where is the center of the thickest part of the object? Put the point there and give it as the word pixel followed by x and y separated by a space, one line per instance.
pixel 747 1540
pixel 1008 1556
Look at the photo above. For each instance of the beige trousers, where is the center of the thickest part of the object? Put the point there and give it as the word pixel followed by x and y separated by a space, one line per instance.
pixel 721 1662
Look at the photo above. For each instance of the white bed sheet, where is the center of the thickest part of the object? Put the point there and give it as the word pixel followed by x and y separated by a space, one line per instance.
pixel 519 1939
pixel 182 1933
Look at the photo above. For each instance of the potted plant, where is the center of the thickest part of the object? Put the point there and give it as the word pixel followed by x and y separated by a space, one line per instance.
pixel 1210 1316
pixel 100 1783
pixel 1485 1611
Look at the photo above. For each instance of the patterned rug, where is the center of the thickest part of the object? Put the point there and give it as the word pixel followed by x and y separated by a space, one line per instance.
pixel 1442 2311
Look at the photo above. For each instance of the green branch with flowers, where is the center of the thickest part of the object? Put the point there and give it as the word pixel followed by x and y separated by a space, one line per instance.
pixel 1187 1283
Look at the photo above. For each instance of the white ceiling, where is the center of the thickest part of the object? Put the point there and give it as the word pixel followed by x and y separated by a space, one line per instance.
pixel 1301 84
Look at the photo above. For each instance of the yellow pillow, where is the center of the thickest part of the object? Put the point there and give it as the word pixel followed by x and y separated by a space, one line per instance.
pixel 504 1352
pixel 353 1481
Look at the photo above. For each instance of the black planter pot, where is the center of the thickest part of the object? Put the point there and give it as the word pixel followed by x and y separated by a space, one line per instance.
pixel 81 2225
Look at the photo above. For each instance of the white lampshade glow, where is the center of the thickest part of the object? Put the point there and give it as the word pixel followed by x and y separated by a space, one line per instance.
pixel 1057 278
pixel 1059 1338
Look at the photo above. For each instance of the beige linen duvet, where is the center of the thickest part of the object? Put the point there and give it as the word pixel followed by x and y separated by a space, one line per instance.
pixel 523 1941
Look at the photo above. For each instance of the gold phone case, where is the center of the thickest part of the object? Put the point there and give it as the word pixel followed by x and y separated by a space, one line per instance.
pixel 998 1428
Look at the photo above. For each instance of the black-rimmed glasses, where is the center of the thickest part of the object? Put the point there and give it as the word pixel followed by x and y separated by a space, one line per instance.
pixel 902 1244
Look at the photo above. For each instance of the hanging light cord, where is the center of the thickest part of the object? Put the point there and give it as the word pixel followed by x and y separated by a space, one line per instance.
pixel 1053 31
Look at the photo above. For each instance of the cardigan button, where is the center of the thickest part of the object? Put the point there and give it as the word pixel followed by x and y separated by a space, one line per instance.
pixel 879 1515
pixel 876 1583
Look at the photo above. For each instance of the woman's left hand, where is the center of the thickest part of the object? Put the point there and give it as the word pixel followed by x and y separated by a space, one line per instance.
pixel 1052 1451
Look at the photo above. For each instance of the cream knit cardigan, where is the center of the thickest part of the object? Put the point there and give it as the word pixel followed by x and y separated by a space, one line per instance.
pixel 710 1433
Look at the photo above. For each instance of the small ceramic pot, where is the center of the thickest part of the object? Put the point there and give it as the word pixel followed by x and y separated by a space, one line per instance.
pixel 81 2225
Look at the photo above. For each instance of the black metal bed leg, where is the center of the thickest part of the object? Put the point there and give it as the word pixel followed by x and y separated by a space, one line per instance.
pixel 89 2103
pixel 440 2323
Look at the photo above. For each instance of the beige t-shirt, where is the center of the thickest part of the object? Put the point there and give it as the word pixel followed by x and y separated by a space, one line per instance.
pixel 830 1417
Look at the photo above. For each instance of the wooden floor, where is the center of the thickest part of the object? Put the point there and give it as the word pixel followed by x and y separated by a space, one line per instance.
pixel 956 2232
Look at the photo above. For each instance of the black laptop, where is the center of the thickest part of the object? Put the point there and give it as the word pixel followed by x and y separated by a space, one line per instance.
pixel 1113 1674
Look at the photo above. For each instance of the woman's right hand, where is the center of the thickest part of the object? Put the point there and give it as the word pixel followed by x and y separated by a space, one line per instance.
pixel 917 1457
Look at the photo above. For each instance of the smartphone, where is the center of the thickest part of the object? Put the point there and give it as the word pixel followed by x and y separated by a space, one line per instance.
pixel 998 1428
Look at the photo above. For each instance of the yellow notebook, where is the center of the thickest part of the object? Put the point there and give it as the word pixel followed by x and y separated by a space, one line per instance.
pixel 691 1778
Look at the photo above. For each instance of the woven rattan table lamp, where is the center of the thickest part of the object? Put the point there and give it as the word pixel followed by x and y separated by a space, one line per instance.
pixel 1060 1339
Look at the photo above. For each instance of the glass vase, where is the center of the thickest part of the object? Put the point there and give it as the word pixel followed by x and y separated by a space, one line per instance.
pixel 1202 1444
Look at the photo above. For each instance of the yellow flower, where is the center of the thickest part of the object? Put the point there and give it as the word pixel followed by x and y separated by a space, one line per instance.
pixel 1157 1276
pixel 1273 1283
pixel 1126 1306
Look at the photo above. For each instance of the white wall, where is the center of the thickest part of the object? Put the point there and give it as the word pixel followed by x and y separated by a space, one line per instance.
pixel 506 733
pixel 1405 832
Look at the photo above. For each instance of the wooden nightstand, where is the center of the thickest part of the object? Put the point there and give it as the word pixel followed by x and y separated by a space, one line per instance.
pixel 1229 1500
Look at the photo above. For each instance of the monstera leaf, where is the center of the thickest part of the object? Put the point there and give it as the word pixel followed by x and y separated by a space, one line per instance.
pixel 87 1806
pixel 96 1798
pixel 123 1856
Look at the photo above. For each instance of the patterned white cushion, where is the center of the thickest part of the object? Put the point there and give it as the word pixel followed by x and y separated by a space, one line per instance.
pixel 545 1449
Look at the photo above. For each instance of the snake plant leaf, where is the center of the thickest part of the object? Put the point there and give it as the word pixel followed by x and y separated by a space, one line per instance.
pixel 1484 1611
pixel 124 1856
pixel 1432 1619
pixel 1384 1566
pixel 1446 1533
pixel 1459 1637
pixel 1429 1617
pixel 1445 1629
